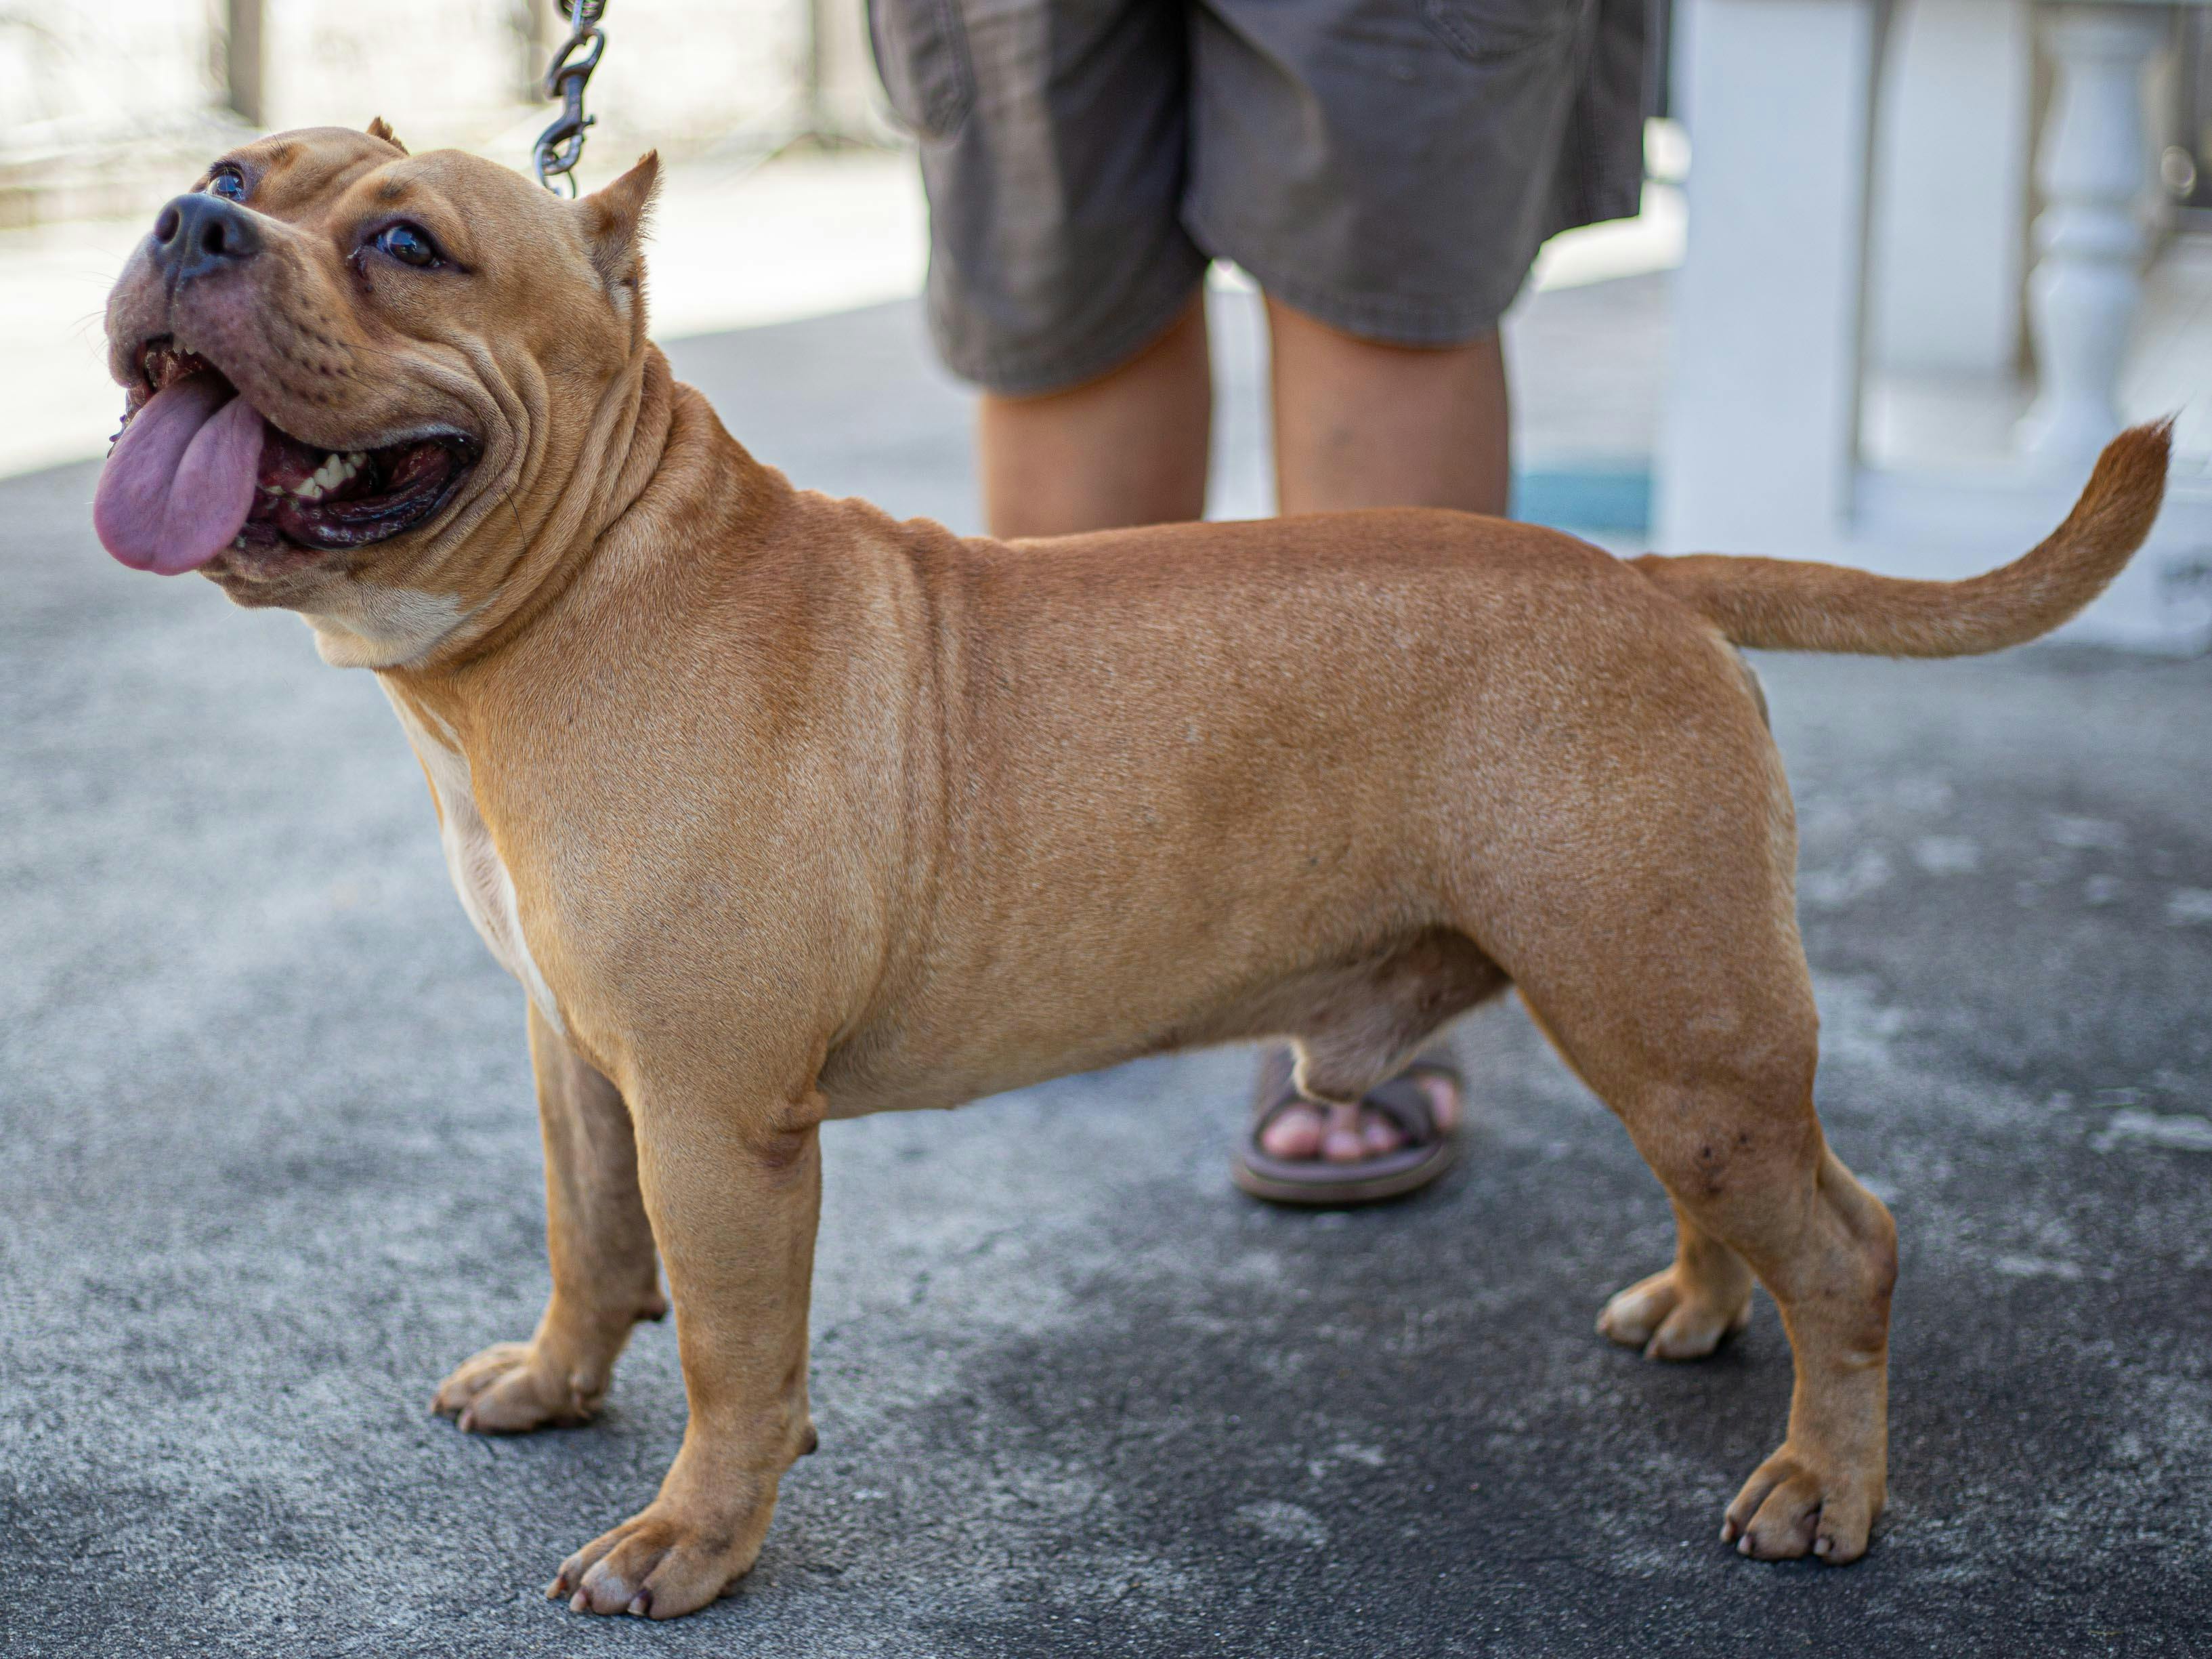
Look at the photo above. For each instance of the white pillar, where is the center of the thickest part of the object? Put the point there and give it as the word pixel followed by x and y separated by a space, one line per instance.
pixel 1759 448
pixel 2088 284
pixel 1950 194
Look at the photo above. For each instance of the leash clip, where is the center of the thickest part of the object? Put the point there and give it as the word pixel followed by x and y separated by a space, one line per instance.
pixel 561 146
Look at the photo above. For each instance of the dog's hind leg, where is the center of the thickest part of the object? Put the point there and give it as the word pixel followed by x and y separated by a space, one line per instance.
pixel 1671 977
pixel 1704 1042
pixel 605 1275
pixel 1716 1088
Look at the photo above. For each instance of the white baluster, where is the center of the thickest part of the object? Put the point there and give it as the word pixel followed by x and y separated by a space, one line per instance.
pixel 2083 294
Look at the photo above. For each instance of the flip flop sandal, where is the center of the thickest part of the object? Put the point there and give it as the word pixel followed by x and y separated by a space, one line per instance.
pixel 1428 1151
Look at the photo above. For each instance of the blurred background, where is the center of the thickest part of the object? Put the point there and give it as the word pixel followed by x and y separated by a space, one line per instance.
pixel 272 1164
pixel 1943 247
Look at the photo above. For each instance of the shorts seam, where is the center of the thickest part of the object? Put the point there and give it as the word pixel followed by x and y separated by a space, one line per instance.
pixel 1525 40
pixel 1134 324
pixel 1379 317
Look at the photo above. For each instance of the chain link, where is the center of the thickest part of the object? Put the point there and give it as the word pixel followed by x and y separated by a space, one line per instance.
pixel 561 146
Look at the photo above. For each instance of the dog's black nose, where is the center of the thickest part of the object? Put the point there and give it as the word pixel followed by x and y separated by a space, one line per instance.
pixel 196 234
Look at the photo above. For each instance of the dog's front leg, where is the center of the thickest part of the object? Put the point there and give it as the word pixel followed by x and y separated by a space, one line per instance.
pixel 734 1191
pixel 605 1277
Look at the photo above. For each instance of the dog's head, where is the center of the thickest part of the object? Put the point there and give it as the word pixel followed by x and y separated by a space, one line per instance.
pixel 365 385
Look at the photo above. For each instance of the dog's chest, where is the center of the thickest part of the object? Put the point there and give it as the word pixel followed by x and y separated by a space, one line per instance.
pixel 479 875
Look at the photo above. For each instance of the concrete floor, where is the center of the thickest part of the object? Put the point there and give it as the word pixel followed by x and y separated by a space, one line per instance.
pixel 271 1169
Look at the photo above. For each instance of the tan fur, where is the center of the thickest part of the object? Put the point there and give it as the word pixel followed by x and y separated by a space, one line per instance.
pixel 1788 605
pixel 802 812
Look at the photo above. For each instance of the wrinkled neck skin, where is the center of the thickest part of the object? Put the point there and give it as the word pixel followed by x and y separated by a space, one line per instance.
pixel 601 579
pixel 518 726
pixel 522 543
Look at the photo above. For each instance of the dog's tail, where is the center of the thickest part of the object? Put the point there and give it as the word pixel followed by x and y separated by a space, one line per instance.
pixel 1782 604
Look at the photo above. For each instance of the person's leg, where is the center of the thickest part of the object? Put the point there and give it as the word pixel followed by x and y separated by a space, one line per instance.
pixel 1387 175
pixel 1129 448
pixel 1358 423
pixel 1062 282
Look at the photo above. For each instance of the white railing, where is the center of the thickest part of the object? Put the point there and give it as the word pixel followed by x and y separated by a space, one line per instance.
pixel 1762 449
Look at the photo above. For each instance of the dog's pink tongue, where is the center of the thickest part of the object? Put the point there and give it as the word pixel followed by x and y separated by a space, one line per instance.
pixel 179 482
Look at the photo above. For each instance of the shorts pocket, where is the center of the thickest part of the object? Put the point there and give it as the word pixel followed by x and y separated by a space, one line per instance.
pixel 1501 31
pixel 922 53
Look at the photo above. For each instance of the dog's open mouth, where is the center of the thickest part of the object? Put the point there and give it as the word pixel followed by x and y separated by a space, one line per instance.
pixel 197 470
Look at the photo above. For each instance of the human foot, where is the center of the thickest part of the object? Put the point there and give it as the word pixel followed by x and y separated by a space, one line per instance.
pixel 1399 1139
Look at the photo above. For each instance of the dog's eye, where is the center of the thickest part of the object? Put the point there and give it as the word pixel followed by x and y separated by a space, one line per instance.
pixel 409 244
pixel 227 183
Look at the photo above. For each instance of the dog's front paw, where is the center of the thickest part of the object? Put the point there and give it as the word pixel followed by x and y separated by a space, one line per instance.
pixel 665 1562
pixel 1798 1504
pixel 1670 1320
pixel 511 1388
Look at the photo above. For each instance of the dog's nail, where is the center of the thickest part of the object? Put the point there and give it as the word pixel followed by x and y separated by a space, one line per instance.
pixel 641 1605
pixel 1822 1546
pixel 467 1420
pixel 813 1441
pixel 580 1602
pixel 558 1588
pixel 1744 1548
pixel 1728 1532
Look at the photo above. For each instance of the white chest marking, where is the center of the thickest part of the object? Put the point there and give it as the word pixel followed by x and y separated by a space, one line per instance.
pixel 486 891
pixel 370 627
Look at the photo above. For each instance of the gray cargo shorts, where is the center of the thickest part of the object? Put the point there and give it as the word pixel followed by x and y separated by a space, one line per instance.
pixel 1387 167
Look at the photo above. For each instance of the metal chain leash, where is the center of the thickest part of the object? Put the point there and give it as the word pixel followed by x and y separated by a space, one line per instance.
pixel 561 146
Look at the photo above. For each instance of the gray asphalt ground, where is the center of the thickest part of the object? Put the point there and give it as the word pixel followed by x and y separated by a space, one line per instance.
pixel 270 1169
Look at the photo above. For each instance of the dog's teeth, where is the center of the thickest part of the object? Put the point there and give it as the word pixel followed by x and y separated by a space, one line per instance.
pixel 334 471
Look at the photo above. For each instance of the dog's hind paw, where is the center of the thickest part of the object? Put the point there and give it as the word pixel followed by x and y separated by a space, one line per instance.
pixel 664 1562
pixel 1669 1320
pixel 1796 1504
pixel 508 1388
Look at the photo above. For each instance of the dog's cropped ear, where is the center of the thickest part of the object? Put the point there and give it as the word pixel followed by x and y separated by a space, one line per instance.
pixel 615 217
pixel 380 127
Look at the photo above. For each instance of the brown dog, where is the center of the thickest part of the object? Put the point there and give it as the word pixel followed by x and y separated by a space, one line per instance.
pixel 781 811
